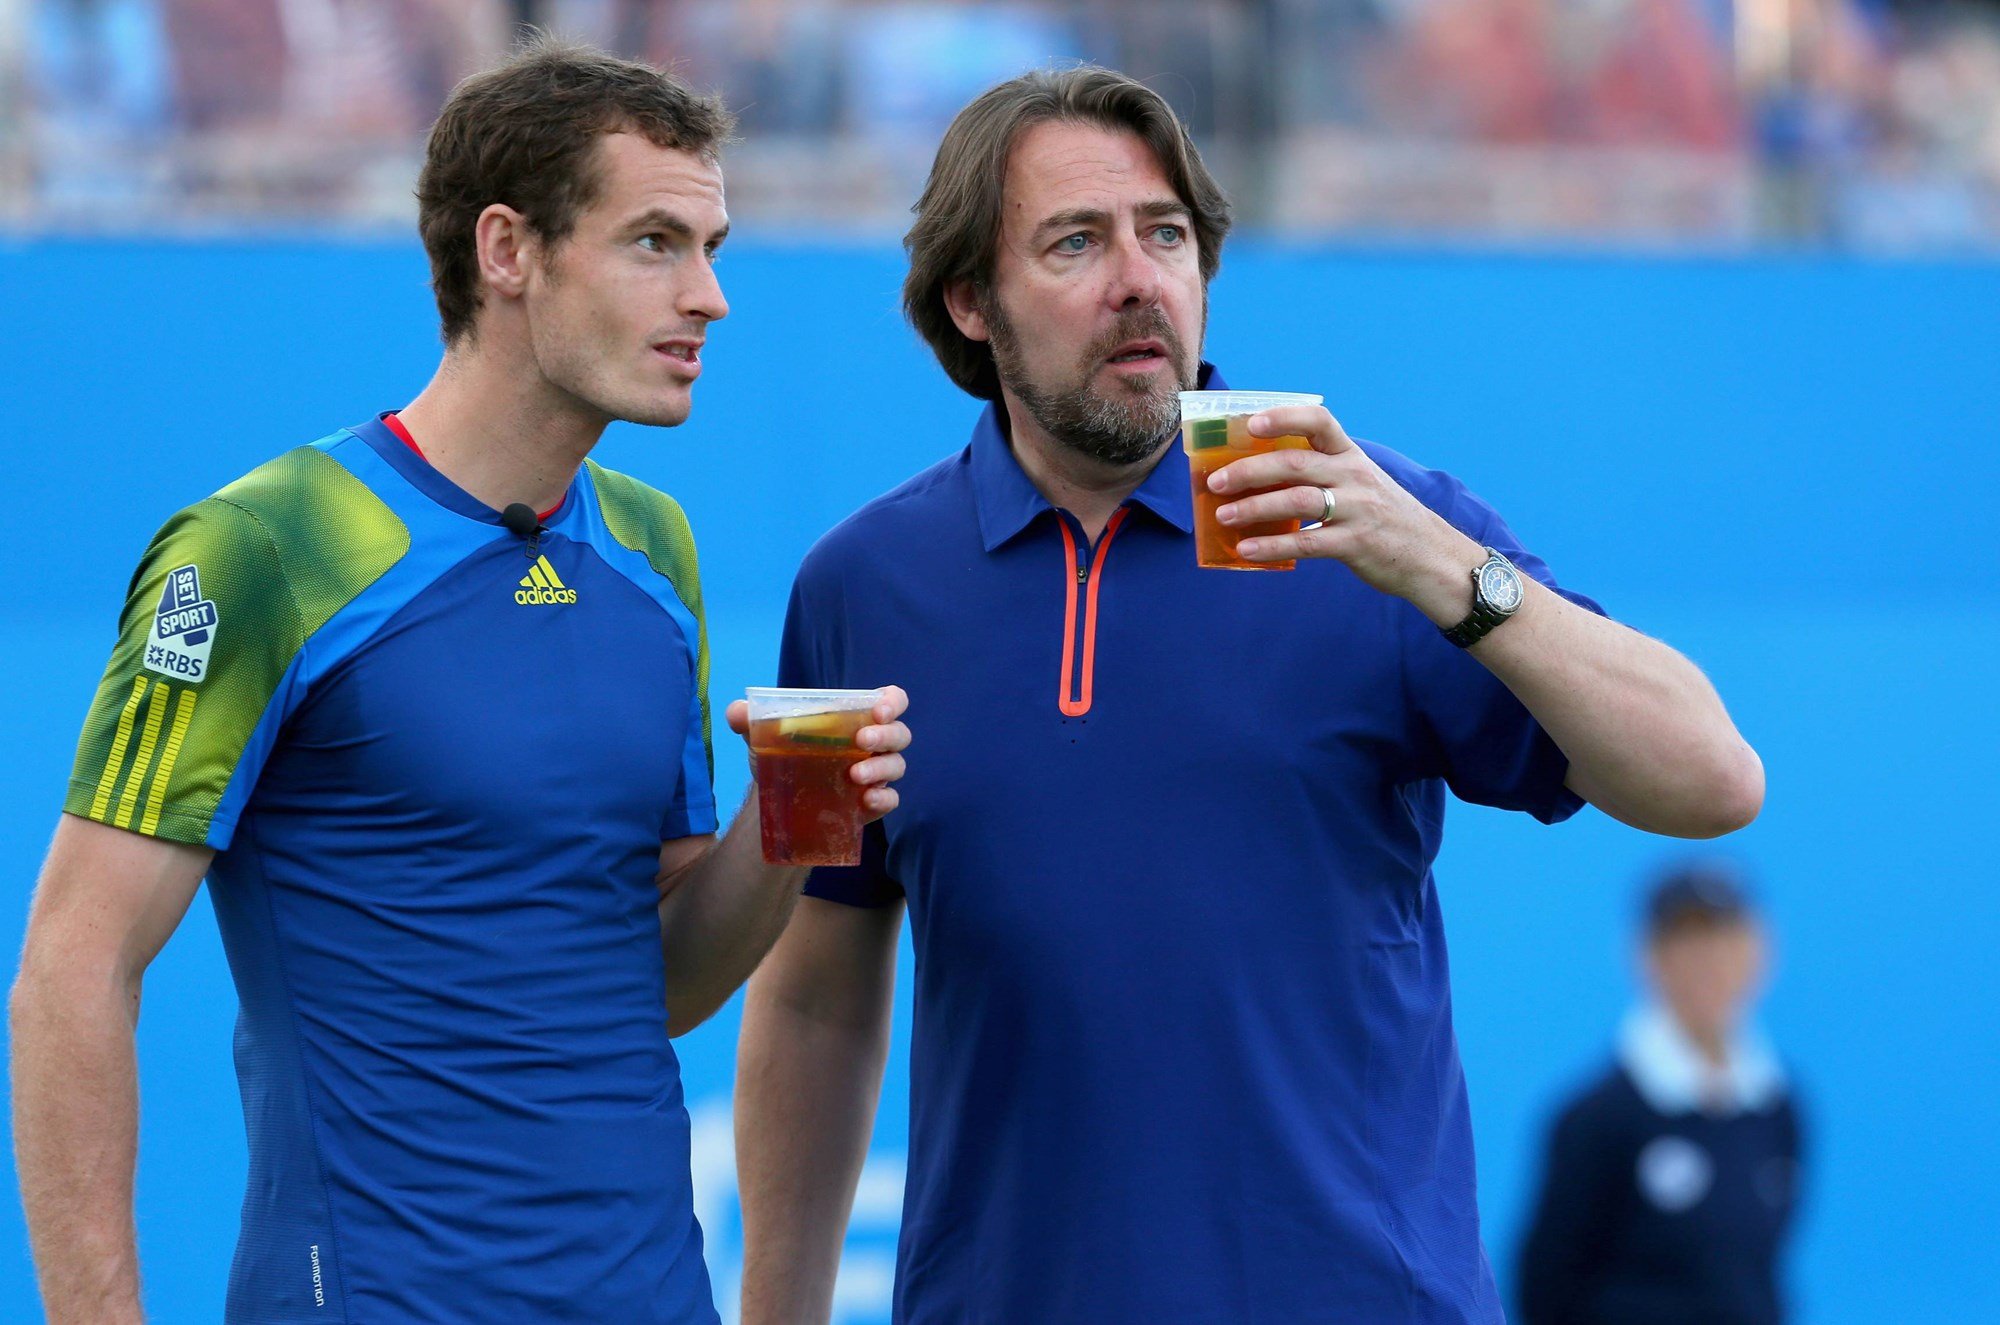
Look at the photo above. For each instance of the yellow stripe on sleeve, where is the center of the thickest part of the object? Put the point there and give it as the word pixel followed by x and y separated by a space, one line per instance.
pixel 156 709
pixel 102 800
pixel 156 798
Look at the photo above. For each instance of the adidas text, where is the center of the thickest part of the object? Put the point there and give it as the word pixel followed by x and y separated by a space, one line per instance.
pixel 542 584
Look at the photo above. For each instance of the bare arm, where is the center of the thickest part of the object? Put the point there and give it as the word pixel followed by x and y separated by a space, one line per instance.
pixel 107 901
pixel 721 906
pixel 1647 738
pixel 808 1076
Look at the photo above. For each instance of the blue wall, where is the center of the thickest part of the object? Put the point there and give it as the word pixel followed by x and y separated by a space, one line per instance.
pixel 1785 468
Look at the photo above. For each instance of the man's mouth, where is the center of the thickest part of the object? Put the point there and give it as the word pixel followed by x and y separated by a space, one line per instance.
pixel 686 353
pixel 1138 352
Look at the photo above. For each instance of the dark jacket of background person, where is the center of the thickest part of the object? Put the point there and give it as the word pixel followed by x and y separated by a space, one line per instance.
pixel 1656 1210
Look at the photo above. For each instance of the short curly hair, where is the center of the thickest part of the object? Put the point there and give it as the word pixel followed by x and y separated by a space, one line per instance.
pixel 523 134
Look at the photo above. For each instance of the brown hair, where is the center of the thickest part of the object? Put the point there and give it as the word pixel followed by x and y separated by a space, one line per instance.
pixel 524 134
pixel 958 217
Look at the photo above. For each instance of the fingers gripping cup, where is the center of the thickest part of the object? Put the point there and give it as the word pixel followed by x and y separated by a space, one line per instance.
pixel 1215 431
pixel 801 746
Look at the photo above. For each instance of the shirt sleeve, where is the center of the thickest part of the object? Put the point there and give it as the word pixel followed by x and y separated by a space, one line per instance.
pixel 1479 738
pixel 652 524
pixel 692 811
pixel 201 676
pixel 812 655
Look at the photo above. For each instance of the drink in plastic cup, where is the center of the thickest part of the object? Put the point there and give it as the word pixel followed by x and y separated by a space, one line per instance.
pixel 801 746
pixel 1215 431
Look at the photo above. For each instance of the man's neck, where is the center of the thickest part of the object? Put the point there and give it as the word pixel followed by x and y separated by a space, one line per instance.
pixel 1087 488
pixel 1712 1043
pixel 501 432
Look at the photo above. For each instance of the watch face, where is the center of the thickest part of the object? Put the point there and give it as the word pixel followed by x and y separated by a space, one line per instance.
pixel 1500 585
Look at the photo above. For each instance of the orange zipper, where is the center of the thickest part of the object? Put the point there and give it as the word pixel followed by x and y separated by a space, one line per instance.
pixel 1074 698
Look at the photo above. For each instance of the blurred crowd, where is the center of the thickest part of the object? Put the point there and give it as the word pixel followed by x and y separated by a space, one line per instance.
pixel 1864 124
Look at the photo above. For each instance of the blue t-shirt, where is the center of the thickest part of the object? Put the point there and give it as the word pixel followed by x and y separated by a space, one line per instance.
pixel 1183 1046
pixel 437 772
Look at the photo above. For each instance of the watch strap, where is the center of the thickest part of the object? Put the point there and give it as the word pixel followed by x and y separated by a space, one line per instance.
pixel 1478 624
pixel 1484 616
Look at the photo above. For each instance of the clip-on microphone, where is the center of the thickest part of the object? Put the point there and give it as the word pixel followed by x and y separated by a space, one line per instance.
pixel 520 520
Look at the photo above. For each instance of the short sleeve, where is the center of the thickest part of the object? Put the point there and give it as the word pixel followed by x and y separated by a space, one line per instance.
pixel 648 522
pixel 1481 740
pixel 812 654
pixel 196 685
pixel 693 808
pixel 692 812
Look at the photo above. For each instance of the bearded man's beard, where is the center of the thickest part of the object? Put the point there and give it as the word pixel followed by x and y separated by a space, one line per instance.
pixel 1119 427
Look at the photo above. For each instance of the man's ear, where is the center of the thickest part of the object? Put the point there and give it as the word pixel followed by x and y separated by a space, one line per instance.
pixel 506 248
pixel 961 300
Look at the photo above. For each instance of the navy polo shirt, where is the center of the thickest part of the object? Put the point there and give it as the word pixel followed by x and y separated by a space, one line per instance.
pixel 1183 1046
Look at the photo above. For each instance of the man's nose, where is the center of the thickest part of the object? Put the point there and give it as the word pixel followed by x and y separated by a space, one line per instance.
pixel 703 297
pixel 1136 276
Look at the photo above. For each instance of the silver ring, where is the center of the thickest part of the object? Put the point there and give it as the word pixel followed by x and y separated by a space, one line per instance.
pixel 1326 512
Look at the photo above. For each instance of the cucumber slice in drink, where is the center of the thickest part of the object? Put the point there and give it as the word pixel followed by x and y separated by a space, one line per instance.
pixel 1206 434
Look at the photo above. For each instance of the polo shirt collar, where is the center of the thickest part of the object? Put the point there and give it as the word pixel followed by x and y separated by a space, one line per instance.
pixel 1008 502
pixel 1671 1075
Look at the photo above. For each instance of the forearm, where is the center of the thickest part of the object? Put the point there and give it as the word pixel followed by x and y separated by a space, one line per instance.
pixel 806 1093
pixel 718 921
pixel 76 1108
pixel 1646 735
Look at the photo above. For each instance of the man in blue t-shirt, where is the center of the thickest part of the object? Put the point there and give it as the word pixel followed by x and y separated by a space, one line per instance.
pixel 1183 1048
pixel 426 703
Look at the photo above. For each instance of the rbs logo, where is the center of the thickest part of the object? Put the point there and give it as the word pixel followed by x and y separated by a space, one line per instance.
pixel 184 628
pixel 542 585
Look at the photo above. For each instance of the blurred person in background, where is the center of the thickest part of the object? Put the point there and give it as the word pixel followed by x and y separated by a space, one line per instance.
pixel 1183 1048
pixel 99 64
pixel 98 98
pixel 778 58
pixel 1670 1183
pixel 425 703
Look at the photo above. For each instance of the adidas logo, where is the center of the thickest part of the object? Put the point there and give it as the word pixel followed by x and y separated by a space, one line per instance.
pixel 542 585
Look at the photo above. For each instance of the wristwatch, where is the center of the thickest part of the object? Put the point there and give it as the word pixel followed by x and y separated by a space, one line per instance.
pixel 1496 595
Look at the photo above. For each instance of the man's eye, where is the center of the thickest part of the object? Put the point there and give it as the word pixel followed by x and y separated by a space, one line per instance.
pixel 1170 234
pixel 653 243
pixel 1073 243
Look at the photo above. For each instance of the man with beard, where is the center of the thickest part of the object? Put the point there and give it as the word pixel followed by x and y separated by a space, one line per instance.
pixel 1183 1047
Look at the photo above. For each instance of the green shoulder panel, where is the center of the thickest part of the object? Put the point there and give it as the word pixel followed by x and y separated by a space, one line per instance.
pixel 226 595
pixel 652 524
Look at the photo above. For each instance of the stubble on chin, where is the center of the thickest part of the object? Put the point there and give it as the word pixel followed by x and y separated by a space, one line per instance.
pixel 586 375
pixel 1121 426
pixel 661 413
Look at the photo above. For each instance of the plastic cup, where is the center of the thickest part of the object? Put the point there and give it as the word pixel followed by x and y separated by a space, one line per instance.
pixel 1215 431
pixel 801 746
